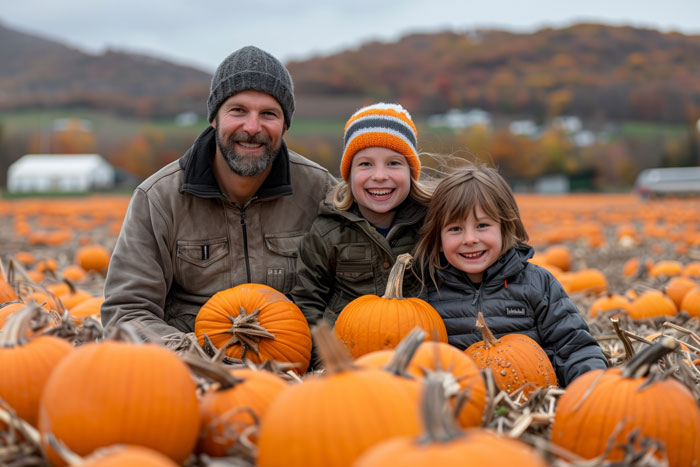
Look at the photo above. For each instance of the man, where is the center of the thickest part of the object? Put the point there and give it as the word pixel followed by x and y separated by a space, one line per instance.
pixel 232 210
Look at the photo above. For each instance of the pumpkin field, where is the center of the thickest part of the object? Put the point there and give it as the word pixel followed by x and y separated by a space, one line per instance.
pixel 240 390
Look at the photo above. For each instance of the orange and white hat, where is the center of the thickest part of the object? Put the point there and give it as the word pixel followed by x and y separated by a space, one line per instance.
pixel 380 125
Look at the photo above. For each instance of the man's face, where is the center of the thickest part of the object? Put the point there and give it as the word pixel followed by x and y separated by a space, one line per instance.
pixel 249 129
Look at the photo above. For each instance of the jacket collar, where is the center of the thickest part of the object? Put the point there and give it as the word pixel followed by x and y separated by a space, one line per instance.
pixel 199 177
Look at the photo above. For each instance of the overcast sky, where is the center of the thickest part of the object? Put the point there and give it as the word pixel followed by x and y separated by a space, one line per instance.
pixel 203 33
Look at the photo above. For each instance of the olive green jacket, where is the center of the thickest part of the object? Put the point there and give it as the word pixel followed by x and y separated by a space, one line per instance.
pixel 343 257
pixel 182 239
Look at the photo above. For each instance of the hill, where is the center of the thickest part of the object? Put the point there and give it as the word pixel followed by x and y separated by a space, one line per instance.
pixel 37 73
pixel 591 70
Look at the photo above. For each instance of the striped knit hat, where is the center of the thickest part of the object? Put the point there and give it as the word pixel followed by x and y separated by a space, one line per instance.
pixel 380 125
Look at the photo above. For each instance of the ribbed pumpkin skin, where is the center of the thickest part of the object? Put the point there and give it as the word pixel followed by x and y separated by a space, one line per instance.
pixel 371 323
pixel 222 411
pixel 478 447
pixel 516 360
pixel 431 355
pixel 278 315
pixel 121 456
pixel 652 303
pixel 664 410
pixel 330 420
pixel 120 393
pixel 24 371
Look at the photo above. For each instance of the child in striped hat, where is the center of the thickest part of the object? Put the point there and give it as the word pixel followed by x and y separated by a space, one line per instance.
pixel 370 218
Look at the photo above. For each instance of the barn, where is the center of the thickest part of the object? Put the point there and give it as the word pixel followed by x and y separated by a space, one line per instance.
pixel 60 173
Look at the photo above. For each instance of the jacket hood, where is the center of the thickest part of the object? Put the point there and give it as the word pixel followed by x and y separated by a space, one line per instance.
pixel 199 177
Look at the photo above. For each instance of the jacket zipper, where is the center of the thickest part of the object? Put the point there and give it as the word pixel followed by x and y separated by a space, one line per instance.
pixel 245 237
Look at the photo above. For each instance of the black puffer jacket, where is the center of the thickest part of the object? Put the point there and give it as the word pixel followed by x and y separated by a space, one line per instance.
pixel 517 297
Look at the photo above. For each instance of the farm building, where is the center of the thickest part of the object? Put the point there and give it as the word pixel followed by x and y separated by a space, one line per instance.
pixel 60 173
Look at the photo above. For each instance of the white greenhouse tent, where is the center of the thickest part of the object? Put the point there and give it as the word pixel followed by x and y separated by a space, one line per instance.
pixel 60 173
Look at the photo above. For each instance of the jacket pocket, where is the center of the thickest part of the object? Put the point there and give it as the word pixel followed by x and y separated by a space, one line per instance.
pixel 202 266
pixel 282 274
pixel 354 271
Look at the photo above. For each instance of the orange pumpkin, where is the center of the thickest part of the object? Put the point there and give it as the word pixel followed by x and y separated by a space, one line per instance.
pixel 93 258
pixel 27 363
pixel 73 273
pixel 559 256
pixel 441 444
pixel 609 302
pixel 516 360
pixel 666 268
pixel 230 407
pixel 618 401
pixel 677 287
pixel 331 418
pixel 691 302
pixel 371 323
pixel 89 307
pixel 692 269
pixel 586 280
pixel 120 393
pixel 258 323
pixel 652 303
pixel 457 370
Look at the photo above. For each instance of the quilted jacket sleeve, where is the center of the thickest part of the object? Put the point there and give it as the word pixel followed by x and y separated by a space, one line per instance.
pixel 564 334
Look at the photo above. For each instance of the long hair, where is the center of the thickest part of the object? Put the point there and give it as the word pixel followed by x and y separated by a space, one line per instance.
pixel 454 199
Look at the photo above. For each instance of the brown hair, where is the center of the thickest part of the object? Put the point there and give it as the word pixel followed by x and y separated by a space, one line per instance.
pixel 454 199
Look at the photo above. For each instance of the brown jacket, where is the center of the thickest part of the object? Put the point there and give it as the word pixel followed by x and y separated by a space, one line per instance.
pixel 182 240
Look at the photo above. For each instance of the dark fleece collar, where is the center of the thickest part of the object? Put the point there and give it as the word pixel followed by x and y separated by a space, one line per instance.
pixel 199 176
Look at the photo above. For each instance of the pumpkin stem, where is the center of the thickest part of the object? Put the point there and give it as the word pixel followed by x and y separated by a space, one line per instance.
pixel 334 355
pixel 212 371
pixel 394 285
pixel 14 333
pixel 247 331
pixel 486 334
pixel 404 352
pixel 438 423
pixel 639 365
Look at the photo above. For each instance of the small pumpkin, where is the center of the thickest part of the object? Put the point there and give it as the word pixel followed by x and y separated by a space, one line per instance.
pixel 258 323
pixel 93 258
pixel 589 280
pixel 666 268
pixel 652 303
pixel 609 302
pixel 124 455
pixel 602 404
pixel 691 302
pixel 677 287
pixel 516 360
pixel 371 323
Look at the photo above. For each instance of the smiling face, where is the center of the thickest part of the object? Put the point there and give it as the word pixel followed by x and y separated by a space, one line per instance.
pixel 380 180
pixel 473 244
pixel 249 128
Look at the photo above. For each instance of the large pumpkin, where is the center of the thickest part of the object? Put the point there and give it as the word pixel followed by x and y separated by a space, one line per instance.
pixel 371 323
pixel 516 360
pixel 441 444
pixel 119 392
pixel 331 418
pixel 258 323
pixel 601 404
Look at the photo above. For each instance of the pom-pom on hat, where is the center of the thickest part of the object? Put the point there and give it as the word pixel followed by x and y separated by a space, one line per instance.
pixel 380 125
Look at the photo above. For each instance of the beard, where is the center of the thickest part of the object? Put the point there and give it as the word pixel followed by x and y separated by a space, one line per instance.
pixel 247 165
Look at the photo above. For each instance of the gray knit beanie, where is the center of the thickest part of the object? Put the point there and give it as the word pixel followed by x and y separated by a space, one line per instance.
pixel 251 68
